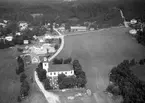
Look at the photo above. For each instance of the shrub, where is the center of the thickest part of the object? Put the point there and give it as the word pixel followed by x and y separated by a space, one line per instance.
pixel 24 90
pixel 68 60
pixel 20 69
pixel 66 82
pixel 41 74
pixel 132 62
pixel 57 61
pixel 23 77
pixel 80 82
pixel 46 83
pixel 142 62
pixel 76 65
pixel 19 49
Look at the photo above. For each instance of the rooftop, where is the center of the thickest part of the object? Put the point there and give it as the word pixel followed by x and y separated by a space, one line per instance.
pixel 60 67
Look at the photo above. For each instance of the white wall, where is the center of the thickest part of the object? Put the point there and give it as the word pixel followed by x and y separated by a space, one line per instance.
pixel 54 74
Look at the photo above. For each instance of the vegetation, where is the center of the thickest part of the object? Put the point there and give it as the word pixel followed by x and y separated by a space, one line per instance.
pixel 125 83
pixel 20 68
pixel 46 83
pixel 41 72
pixel 62 61
pixel 66 82
pixel 79 80
pixel 23 77
pixel 24 88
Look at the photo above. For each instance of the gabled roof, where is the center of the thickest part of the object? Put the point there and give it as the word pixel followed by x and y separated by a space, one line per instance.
pixel 60 67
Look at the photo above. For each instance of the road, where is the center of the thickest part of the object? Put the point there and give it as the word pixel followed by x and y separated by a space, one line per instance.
pixel 50 97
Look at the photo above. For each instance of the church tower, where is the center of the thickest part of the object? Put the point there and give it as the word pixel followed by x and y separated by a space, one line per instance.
pixel 45 64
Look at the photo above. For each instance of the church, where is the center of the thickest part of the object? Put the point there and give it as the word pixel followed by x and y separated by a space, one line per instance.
pixel 56 69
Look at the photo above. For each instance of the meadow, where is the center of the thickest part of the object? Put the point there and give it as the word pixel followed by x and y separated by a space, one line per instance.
pixel 99 51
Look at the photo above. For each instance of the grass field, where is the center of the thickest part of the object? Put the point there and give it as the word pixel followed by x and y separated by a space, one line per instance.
pixel 98 52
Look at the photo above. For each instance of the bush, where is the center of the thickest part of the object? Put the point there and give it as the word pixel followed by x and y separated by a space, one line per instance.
pixel 132 62
pixel 20 69
pixel 19 50
pixel 46 83
pixel 68 60
pixel 80 82
pixel 56 47
pixel 66 82
pixel 57 61
pixel 41 74
pixel 142 62
pixel 24 90
pixel 76 65
pixel 23 77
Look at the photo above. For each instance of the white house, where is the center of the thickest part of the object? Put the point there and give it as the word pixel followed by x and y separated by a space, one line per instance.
pixel 18 33
pixel 22 25
pixel 55 70
pixel 9 38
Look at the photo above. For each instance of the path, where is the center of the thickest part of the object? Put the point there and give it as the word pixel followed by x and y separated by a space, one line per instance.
pixel 50 97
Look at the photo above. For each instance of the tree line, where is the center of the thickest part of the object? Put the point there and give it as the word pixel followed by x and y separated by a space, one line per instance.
pixel 125 83
pixel 25 87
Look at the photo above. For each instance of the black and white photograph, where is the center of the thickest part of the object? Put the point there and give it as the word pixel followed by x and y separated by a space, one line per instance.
pixel 72 51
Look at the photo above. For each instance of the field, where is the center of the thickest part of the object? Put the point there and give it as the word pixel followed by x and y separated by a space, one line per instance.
pixel 98 52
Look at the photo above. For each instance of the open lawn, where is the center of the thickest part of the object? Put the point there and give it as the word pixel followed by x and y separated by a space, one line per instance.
pixel 98 52
pixel 9 82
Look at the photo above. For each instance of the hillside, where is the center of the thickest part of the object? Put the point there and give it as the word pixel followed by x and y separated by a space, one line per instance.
pixel 84 10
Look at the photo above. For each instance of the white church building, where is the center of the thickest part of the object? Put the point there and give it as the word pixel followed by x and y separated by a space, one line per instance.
pixel 55 70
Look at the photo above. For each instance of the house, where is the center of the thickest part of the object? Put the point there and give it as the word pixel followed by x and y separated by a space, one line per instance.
pixel 18 33
pixel 9 38
pixel 3 25
pixel 55 70
pixel 49 48
pixel 22 25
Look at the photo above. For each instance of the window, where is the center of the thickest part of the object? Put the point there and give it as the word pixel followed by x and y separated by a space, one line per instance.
pixel 65 72
pixel 50 73
pixel 54 73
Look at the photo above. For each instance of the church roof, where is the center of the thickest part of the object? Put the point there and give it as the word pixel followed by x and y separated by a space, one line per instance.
pixel 60 67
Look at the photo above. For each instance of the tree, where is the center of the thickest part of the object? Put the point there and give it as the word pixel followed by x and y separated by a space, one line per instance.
pixel 57 61
pixel 24 88
pixel 47 84
pixel 141 62
pixel 41 73
pixel 76 65
pixel 20 69
pixel 60 78
pixel 68 60
pixel 127 84
pixel 80 82
pixel 23 77
pixel 132 62
pixel 19 59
